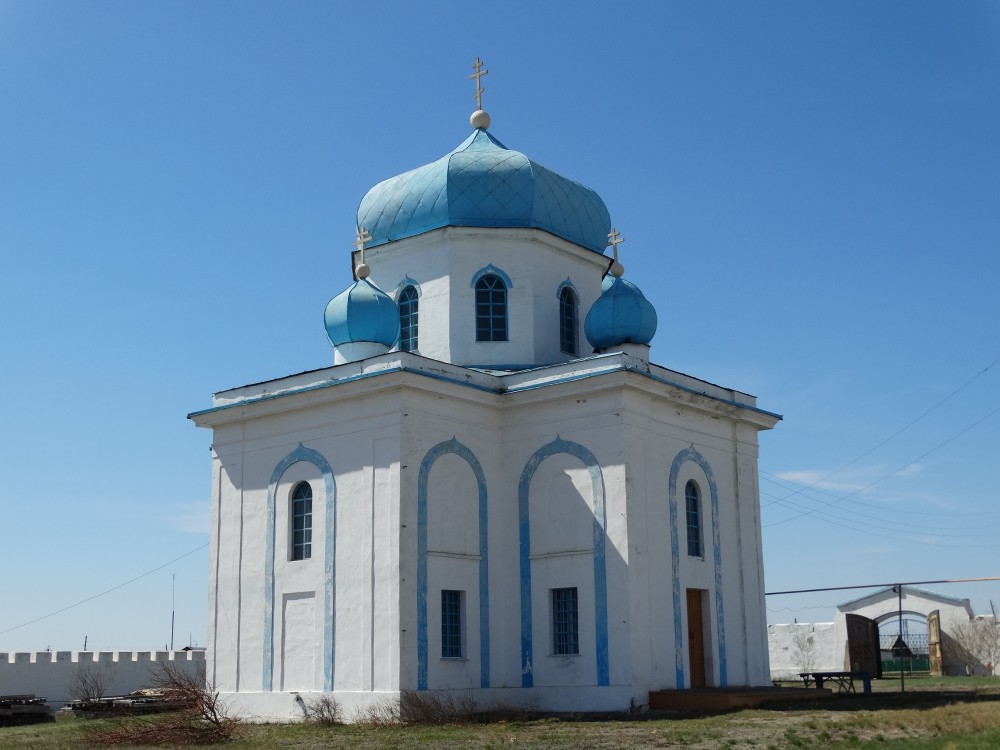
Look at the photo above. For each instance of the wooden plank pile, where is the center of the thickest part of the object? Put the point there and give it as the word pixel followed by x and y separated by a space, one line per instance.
pixel 24 709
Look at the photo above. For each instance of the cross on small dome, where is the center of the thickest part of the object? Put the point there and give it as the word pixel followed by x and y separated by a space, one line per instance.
pixel 614 240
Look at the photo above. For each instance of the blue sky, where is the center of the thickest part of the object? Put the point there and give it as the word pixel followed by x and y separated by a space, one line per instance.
pixel 808 193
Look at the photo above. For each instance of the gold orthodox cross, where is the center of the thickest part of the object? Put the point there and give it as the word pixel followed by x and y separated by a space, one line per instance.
pixel 478 75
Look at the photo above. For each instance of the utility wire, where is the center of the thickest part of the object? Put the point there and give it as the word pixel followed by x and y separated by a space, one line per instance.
pixel 892 473
pixel 843 498
pixel 898 526
pixel 884 585
pixel 897 433
pixel 108 591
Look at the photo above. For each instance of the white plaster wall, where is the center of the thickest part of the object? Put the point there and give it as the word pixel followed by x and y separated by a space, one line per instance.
pixel 376 432
pixel 434 416
pixel 443 262
pixel 362 448
pixel 453 564
pixel 51 674
pixel 785 655
pixel 663 429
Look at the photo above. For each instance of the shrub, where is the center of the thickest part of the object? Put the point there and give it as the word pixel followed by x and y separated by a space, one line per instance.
pixel 323 709
pixel 196 717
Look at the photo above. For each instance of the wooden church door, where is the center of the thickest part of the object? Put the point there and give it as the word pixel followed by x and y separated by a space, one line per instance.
pixel 696 636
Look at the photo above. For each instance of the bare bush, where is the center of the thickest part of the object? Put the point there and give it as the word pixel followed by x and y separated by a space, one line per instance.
pixel 323 709
pixel 383 713
pixel 428 707
pixel 805 650
pixel 974 644
pixel 89 684
pixel 196 716
pixel 436 707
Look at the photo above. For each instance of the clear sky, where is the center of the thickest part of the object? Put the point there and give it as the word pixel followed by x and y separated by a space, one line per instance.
pixel 808 192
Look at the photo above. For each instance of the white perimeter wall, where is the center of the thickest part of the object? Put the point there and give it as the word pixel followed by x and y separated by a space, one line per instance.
pixel 51 674
pixel 784 653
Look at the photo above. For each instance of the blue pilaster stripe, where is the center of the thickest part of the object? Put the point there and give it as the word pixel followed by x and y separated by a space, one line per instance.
pixel 301 453
pixel 452 446
pixel 690 454
pixel 675 573
pixel 600 570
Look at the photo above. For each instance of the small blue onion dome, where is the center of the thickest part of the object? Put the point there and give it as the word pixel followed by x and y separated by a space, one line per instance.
pixel 621 315
pixel 482 183
pixel 362 312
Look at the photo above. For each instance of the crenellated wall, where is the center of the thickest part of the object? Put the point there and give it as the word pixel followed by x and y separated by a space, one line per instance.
pixel 51 674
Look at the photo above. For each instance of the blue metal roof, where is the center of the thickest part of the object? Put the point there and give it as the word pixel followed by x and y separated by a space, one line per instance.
pixel 482 183
pixel 362 312
pixel 621 315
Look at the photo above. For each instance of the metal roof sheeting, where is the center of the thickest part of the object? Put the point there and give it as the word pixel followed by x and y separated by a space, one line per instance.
pixel 482 183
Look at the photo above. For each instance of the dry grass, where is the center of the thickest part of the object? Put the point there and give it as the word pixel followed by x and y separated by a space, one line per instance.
pixel 960 717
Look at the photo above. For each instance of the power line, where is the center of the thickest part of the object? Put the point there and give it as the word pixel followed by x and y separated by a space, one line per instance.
pixel 883 585
pixel 892 473
pixel 902 429
pixel 908 425
pixel 846 499
pixel 894 525
pixel 108 591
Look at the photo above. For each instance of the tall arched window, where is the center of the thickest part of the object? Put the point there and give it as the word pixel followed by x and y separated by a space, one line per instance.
pixel 302 507
pixel 567 321
pixel 408 320
pixel 692 502
pixel 491 309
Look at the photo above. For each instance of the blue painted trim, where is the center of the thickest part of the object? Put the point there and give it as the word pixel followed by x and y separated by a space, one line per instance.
pixel 301 453
pixel 460 450
pixel 476 386
pixel 675 576
pixel 651 376
pixel 407 281
pixel 600 569
pixel 341 381
pixel 491 269
pixel 690 454
pixel 572 288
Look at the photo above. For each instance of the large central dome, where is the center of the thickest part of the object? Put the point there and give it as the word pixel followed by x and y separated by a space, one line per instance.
pixel 482 183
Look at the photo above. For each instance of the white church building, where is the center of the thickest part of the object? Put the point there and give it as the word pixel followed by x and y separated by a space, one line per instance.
pixel 492 489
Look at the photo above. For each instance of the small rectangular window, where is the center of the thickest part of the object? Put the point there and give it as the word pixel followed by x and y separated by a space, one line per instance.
pixel 451 624
pixel 565 622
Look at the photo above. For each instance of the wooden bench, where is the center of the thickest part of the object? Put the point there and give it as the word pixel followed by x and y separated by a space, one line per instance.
pixel 843 680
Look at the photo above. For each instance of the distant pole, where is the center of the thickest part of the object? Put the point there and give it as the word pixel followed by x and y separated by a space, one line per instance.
pixel 84 643
pixel 902 678
pixel 173 581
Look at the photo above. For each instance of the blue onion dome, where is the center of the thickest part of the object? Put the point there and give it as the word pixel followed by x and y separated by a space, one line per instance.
pixel 482 183
pixel 621 315
pixel 362 313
